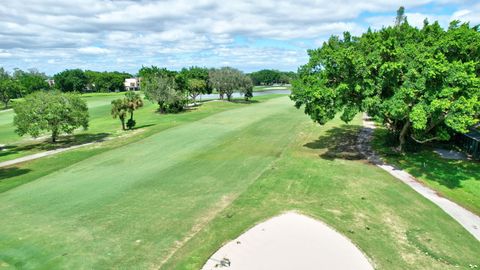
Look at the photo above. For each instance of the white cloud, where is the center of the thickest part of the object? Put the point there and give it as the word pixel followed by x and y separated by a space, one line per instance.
pixel 415 19
pixel 470 14
pixel 93 50
pixel 124 34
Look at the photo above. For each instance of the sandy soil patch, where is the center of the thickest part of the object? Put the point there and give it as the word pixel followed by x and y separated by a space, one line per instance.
pixel 289 241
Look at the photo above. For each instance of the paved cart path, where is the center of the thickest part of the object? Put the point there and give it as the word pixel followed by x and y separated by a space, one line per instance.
pixel 467 219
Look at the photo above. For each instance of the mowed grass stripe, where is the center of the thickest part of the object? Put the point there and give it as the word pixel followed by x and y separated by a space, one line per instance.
pixel 322 175
pixel 130 205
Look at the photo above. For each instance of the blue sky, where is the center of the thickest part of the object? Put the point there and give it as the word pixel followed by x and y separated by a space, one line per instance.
pixel 123 35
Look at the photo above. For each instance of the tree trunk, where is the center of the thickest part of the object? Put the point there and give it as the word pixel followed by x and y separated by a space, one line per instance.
pixel 54 136
pixel 122 119
pixel 403 135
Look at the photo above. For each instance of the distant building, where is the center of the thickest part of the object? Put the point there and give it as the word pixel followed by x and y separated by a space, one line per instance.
pixel 132 84
pixel 50 82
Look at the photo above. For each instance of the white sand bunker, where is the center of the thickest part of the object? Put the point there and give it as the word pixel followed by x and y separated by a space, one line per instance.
pixel 289 241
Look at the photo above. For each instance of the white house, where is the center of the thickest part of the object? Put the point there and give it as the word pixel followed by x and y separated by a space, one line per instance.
pixel 50 82
pixel 132 84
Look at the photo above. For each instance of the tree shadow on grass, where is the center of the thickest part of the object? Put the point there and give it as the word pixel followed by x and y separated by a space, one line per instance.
pixel 143 126
pixel 338 143
pixel 243 101
pixel 185 110
pixel 47 145
pixel 10 172
pixel 422 162
pixel 445 172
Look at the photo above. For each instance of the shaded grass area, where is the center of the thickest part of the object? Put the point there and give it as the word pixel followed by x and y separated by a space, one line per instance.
pixel 317 176
pixel 458 180
pixel 151 124
pixel 131 206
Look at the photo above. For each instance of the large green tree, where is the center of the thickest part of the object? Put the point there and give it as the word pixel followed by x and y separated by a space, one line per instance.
pixel 9 89
pixel 227 80
pixel 106 81
pixel 164 91
pixel 71 80
pixel 31 80
pixel 195 81
pixel 51 111
pixel 422 84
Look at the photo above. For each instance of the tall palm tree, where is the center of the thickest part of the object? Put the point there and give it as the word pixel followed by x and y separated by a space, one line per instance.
pixel 133 101
pixel 120 109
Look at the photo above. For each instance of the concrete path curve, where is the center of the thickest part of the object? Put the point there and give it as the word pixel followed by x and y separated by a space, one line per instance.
pixel 467 219
pixel 40 155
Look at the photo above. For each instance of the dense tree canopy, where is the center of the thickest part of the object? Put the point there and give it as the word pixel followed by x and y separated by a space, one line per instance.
pixel 106 81
pixel 271 76
pixel 151 71
pixel 161 86
pixel 227 80
pixel 10 87
pixel 71 80
pixel 31 80
pixel 50 111
pixel 423 84
pixel 195 81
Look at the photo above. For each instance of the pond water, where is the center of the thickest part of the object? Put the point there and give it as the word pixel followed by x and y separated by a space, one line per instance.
pixel 239 95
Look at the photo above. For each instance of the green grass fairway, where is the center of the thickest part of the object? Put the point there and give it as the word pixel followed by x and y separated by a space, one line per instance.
pixel 171 199
pixel 321 174
pixel 101 125
pixel 150 123
pixel 153 191
pixel 458 180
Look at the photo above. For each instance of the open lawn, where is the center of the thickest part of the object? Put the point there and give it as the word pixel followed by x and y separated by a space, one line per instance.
pixel 16 175
pixel 458 180
pixel 171 198
pixel 101 126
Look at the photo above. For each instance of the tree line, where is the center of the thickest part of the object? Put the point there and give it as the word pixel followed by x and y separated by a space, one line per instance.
pixel 77 80
pixel 21 83
pixel 272 76
pixel 62 110
pixel 422 84
pixel 172 90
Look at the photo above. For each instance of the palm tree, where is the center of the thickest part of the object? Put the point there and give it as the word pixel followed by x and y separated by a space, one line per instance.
pixel 133 101
pixel 120 109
